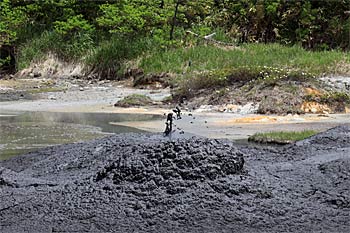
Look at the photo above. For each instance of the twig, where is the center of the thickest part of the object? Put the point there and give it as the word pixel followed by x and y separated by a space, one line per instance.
pixel 210 38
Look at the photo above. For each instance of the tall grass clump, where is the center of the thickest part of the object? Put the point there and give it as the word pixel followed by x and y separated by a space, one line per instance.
pixel 71 48
pixel 209 57
pixel 34 49
pixel 108 58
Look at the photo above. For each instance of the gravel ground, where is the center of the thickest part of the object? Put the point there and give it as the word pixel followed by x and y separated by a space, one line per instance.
pixel 89 99
pixel 147 183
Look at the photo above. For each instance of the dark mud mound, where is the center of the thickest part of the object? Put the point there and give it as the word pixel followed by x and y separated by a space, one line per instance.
pixel 338 174
pixel 182 159
pixel 337 137
pixel 335 140
pixel 147 183
pixel 121 183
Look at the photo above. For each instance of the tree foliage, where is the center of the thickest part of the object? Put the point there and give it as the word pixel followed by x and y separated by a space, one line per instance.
pixel 313 24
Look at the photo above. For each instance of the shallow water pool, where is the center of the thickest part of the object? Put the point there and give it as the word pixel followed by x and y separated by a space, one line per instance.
pixel 22 132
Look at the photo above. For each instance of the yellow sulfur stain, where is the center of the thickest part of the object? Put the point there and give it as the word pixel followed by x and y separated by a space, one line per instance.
pixel 313 91
pixel 314 107
pixel 249 119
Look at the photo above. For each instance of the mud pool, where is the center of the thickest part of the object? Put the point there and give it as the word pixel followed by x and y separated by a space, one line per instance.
pixel 22 132
pixel 146 183
pixel 143 182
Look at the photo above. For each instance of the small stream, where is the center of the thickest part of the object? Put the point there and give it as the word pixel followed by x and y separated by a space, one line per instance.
pixel 22 132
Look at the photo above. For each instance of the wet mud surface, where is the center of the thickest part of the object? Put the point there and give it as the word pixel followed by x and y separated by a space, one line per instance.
pixel 15 95
pixel 147 183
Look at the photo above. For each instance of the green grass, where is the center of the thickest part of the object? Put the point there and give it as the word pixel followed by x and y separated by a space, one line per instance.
pixel 107 60
pixel 281 137
pixel 46 89
pixel 204 58
pixel 134 100
pixel 265 65
pixel 243 77
pixel 69 49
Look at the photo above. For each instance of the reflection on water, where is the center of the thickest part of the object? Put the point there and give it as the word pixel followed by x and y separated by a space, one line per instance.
pixel 24 132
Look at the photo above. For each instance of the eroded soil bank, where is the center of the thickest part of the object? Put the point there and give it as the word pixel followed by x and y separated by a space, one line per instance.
pixel 144 183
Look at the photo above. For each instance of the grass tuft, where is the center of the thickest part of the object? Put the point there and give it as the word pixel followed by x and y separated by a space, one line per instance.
pixel 108 58
pixel 281 137
pixel 134 100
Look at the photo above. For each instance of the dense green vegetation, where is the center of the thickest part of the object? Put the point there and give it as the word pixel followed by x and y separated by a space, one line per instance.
pixel 281 137
pixel 247 55
pixel 105 34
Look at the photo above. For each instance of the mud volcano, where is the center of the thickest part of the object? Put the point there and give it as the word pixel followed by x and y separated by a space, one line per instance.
pixel 123 182
pixel 146 183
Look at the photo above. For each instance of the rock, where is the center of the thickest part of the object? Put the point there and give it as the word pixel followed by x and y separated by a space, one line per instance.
pixel 221 108
pixel 315 108
pixel 232 108
pixel 205 108
pixel 134 100
pixel 52 97
pixel 249 108
pixel 36 74
pixel 150 80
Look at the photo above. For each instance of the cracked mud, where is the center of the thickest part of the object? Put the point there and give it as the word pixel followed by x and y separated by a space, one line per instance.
pixel 146 183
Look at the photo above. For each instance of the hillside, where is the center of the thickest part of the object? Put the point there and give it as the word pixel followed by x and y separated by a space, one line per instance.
pixel 231 54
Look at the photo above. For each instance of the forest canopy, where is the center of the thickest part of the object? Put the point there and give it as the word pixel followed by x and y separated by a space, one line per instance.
pixel 69 28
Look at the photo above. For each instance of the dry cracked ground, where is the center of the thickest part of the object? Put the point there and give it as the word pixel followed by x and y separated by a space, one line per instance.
pixel 147 183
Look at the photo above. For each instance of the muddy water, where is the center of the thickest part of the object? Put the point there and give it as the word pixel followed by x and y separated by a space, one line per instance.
pixel 22 132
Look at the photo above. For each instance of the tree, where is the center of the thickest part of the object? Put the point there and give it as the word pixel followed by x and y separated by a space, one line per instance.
pixel 130 17
pixel 10 20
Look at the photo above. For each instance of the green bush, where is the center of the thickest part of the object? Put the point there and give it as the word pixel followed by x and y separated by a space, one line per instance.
pixel 335 97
